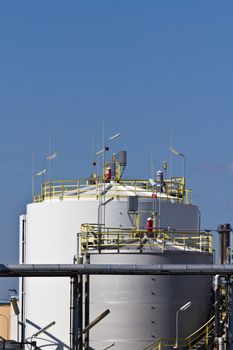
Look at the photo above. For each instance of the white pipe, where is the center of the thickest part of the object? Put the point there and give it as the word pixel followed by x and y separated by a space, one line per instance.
pixel 220 343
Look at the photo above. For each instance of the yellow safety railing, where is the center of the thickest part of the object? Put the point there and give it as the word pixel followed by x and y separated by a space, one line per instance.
pixel 172 189
pixel 163 343
pixel 98 237
pixel 202 334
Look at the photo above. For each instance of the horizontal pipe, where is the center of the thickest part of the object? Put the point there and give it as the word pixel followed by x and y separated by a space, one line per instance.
pixel 63 270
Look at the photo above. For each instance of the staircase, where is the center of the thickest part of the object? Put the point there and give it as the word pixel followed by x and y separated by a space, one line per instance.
pixel 202 339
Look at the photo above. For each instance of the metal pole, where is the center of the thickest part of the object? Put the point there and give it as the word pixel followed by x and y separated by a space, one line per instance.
pixel 221 344
pixel 71 313
pixel 42 176
pixel 80 311
pixel 77 314
pixel 22 309
pixel 217 307
pixel 33 175
pixel 230 315
pixel 220 244
pixel 184 170
pixel 87 303
pixel 99 224
pixel 177 329
pixel 99 228
pixel 96 320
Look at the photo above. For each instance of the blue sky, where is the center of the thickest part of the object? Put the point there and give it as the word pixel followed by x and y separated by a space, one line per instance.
pixel 147 68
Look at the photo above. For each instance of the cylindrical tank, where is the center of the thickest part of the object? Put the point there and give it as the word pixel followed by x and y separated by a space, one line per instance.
pixel 122 158
pixel 141 307
pixel 159 176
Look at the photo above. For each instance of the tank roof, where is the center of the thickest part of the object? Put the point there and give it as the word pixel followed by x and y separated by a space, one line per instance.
pixel 171 190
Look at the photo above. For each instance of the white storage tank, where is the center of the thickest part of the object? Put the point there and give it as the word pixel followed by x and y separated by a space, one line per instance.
pixel 49 235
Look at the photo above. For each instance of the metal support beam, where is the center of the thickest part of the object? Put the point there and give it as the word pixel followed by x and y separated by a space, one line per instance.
pixel 77 313
pixel 63 270
pixel 95 321
pixel 218 331
pixel 87 303
pixel 230 316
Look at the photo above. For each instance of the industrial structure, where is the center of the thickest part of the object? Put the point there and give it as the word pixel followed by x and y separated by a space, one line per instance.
pixel 108 234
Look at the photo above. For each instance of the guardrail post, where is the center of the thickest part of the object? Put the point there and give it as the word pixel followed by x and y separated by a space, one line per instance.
pixel 62 190
pixel 140 240
pixel 206 335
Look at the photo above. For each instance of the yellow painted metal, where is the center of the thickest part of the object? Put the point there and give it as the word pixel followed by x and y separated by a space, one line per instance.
pixel 172 189
pixel 163 343
pixel 99 237
pixel 190 342
pixel 118 172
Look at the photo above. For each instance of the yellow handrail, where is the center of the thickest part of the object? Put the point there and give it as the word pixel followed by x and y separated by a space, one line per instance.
pixel 202 333
pixel 94 236
pixel 172 189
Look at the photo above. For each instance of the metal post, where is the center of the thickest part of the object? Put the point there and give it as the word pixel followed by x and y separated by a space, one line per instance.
pixel 99 229
pixel 221 344
pixel 96 320
pixel 23 259
pixel 87 303
pixel 177 329
pixel 182 308
pixel 220 245
pixel 71 313
pixel 230 315
pixel 99 238
pixel 77 321
pixel 217 307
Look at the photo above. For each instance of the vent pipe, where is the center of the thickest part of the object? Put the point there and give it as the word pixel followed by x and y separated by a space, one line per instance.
pixel 224 243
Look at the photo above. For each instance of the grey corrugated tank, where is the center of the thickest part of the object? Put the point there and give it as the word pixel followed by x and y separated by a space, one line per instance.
pixel 143 308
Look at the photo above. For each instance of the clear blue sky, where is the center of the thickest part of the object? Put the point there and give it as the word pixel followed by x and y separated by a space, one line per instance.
pixel 144 67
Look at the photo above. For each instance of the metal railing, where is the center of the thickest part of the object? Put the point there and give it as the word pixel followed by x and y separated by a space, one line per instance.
pixel 94 237
pixel 172 189
pixel 203 336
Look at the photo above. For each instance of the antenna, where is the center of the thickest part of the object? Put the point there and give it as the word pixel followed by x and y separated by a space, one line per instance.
pixel 33 174
pixel 152 164
pixel 93 151
pixel 171 155
pixel 50 153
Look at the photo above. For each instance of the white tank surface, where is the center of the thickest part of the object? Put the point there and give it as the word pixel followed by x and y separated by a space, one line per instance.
pixel 49 235
pixel 143 308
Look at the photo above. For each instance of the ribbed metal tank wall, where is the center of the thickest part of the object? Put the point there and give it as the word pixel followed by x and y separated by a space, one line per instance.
pixel 143 308
pixel 51 229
